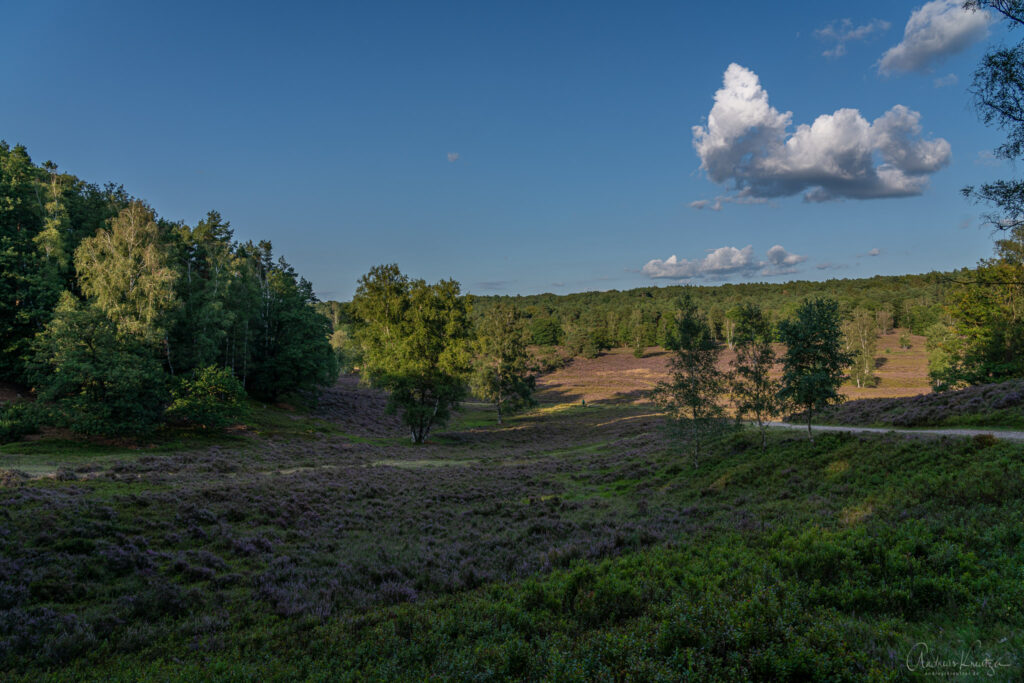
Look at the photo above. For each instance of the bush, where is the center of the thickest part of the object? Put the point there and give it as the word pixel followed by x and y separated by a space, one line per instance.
pixel 18 420
pixel 212 399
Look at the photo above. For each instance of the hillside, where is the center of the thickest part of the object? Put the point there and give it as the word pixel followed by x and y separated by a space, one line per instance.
pixel 571 543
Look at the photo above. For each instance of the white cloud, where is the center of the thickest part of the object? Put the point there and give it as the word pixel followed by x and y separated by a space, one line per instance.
pixel 944 81
pixel 874 252
pixel 934 31
pixel 839 33
pixel 453 157
pixel 716 204
pixel 747 145
pixel 723 262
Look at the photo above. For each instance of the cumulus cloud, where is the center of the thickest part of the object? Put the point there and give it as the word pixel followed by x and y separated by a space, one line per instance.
pixel 874 252
pixel 747 145
pixel 723 262
pixel 453 157
pixel 944 81
pixel 934 31
pixel 839 33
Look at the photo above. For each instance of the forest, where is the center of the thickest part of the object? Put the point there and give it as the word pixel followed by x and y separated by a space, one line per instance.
pixel 119 321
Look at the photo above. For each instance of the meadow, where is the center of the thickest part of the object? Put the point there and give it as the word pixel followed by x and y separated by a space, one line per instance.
pixel 571 543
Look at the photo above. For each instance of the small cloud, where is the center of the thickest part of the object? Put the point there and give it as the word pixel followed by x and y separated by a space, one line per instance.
pixel 716 204
pixel 935 31
pixel 987 158
pixel 453 157
pixel 494 285
pixel 945 81
pixel 723 262
pixel 874 252
pixel 558 284
pixel 839 33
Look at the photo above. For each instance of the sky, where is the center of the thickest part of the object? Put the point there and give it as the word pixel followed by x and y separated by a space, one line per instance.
pixel 527 147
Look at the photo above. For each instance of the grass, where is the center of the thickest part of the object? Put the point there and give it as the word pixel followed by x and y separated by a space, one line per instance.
pixel 568 544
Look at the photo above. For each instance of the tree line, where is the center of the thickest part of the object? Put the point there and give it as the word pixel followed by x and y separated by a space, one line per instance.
pixel 119 320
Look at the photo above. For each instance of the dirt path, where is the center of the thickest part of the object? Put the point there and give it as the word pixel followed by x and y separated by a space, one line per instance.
pixel 997 433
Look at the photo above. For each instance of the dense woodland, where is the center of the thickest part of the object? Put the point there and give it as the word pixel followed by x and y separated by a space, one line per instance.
pixel 119 320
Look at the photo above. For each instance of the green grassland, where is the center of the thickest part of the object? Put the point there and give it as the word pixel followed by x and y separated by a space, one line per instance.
pixel 570 543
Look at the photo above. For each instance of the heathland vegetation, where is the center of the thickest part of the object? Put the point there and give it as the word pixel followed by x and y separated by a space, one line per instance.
pixel 190 491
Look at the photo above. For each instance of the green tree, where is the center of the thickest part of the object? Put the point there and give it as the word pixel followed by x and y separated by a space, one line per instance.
pixel 502 375
pixel 126 270
pixel 210 398
pixel 814 361
pixel 754 391
pixel 94 379
pixel 861 334
pixel 415 339
pixel 692 396
pixel 206 264
pixel 290 347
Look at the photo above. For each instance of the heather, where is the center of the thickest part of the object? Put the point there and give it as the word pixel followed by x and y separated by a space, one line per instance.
pixel 568 543
pixel 985 405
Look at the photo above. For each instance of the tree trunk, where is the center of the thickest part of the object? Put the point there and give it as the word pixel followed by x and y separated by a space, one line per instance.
pixel 810 434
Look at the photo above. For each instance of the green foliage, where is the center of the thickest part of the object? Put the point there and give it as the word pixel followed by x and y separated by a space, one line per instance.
pixel 290 349
pixel 126 271
pixel 212 398
pixel 861 336
pixel 502 373
pixel 94 380
pixel 812 367
pixel 415 339
pixel 545 331
pixel 987 340
pixel 754 391
pixel 692 396
pixel 17 420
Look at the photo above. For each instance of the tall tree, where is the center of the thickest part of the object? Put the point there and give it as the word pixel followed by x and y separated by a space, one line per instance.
pixel 291 339
pixel 692 396
pixel 206 264
pixel 415 339
pixel 861 334
pixel 813 365
pixel 754 391
pixel 502 374
pixel 126 270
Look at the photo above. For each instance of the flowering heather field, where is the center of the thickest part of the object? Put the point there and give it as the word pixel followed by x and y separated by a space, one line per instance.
pixel 987 405
pixel 571 543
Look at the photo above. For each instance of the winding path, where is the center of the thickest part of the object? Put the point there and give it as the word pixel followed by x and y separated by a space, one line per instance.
pixel 997 433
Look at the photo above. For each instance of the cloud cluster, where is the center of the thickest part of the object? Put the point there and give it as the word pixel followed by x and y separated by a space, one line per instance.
pixel 747 145
pixel 723 262
pixel 841 32
pixel 934 31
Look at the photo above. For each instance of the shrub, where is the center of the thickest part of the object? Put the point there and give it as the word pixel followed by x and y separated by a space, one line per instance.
pixel 18 420
pixel 212 399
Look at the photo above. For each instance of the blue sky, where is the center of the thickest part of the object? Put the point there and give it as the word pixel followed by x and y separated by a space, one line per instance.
pixel 525 147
